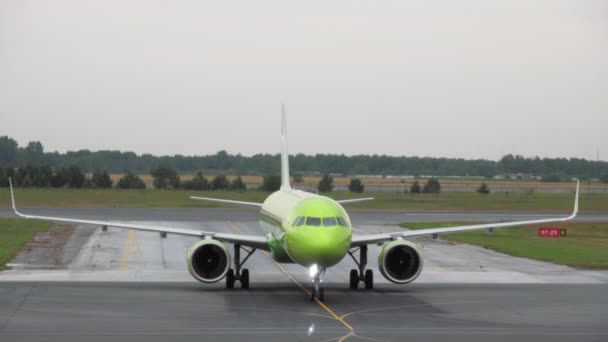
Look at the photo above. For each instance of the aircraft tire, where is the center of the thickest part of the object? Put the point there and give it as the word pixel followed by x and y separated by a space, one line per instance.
pixel 230 279
pixel 245 278
pixel 369 279
pixel 354 279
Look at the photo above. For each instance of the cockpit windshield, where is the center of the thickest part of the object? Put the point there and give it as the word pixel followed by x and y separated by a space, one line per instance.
pixel 313 221
pixel 317 221
pixel 299 221
pixel 330 221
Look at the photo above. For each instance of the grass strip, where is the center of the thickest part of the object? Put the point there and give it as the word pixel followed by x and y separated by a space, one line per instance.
pixel 585 246
pixel 88 198
pixel 15 233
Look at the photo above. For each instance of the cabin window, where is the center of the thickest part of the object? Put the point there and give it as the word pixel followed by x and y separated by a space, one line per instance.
pixel 299 221
pixel 313 221
pixel 330 221
pixel 342 222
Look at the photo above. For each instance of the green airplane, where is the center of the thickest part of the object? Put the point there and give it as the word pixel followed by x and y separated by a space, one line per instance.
pixel 303 228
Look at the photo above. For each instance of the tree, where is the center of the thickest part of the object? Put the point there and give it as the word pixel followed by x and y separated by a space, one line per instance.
pixel 220 182
pixel 415 188
pixel 271 183
pixel 34 152
pixel 237 184
pixel 70 177
pixel 326 184
pixel 101 179
pixel 483 189
pixel 60 178
pixel 551 178
pixel 198 182
pixel 356 185
pixel 604 178
pixel 76 177
pixel 165 178
pixel 432 186
pixel 3 178
pixel 8 151
pixel 33 176
pixel 131 181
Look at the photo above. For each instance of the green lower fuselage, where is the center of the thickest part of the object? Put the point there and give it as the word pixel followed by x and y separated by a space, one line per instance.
pixel 305 228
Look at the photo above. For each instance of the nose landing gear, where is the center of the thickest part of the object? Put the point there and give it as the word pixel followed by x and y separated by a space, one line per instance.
pixel 317 291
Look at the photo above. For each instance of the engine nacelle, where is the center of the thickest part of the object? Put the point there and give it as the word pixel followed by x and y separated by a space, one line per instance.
pixel 400 261
pixel 208 261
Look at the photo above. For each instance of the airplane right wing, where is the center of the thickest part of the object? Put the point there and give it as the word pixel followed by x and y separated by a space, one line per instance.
pixel 354 200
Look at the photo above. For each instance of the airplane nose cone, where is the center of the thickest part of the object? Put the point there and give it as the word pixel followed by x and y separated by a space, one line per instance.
pixel 322 246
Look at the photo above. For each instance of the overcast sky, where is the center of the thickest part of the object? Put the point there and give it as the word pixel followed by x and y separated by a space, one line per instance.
pixel 471 79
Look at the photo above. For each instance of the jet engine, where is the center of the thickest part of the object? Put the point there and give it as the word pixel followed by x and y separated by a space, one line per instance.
pixel 208 261
pixel 400 261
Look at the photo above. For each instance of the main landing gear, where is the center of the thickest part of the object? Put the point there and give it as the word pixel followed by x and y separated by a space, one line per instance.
pixel 317 291
pixel 361 275
pixel 237 274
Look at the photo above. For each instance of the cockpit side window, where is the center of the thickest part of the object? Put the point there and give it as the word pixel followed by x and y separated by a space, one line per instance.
pixel 342 222
pixel 299 221
pixel 313 221
pixel 330 221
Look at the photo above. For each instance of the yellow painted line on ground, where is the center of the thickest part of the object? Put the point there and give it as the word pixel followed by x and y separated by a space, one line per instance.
pixel 126 254
pixel 290 276
pixel 138 255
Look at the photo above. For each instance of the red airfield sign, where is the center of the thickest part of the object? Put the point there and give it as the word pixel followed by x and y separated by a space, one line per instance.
pixel 551 232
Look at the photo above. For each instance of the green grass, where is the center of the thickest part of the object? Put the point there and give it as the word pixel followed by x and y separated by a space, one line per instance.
pixel 585 246
pixel 14 233
pixel 384 201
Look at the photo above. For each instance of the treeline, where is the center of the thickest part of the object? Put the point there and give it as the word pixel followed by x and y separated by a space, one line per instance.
pixel 72 177
pixel 42 176
pixel 11 155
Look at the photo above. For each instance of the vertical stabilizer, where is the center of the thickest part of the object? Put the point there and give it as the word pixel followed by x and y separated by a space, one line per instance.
pixel 284 156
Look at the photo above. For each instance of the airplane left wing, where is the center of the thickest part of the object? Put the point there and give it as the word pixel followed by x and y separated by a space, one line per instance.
pixel 360 240
pixel 254 241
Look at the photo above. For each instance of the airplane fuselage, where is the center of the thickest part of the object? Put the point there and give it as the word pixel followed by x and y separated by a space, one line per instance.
pixel 306 228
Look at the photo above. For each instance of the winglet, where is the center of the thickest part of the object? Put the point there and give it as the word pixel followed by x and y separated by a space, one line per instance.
pixel 575 211
pixel 10 183
pixel 284 156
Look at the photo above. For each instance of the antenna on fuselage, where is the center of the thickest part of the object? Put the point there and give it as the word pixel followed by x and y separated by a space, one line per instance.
pixel 284 156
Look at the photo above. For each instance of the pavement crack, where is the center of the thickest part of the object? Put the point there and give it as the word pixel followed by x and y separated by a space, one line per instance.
pixel 18 306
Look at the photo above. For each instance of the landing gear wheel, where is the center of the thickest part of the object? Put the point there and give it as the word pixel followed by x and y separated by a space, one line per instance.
pixel 354 279
pixel 369 279
pixel 245 278
pixel 230 279
pixel 313 294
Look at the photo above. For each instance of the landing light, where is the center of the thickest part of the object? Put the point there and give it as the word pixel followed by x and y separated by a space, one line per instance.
pixel 313 271
pixel 311 329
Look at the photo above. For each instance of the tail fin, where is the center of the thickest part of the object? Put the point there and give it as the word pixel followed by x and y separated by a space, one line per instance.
pixel 284 156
